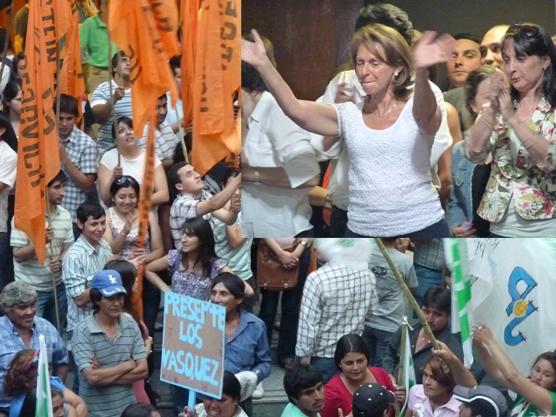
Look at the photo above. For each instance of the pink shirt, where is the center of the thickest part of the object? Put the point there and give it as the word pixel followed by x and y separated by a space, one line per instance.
pixel 418 400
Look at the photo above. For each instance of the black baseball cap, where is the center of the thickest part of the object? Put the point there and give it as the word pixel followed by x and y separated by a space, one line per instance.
pixel 483 400
pixel 371 399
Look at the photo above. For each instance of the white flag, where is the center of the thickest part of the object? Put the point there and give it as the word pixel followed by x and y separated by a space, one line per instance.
pixel 407 369
pixel 43 406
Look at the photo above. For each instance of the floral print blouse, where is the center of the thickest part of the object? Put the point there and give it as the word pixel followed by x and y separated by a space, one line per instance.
pixel 186 282
pixel 533 186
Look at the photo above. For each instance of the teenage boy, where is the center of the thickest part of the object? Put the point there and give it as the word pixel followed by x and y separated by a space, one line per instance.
pixel 85 257
pixel 305 390
pixel 193 201
pixel 109 350
pixel 78 156
pixel 43 276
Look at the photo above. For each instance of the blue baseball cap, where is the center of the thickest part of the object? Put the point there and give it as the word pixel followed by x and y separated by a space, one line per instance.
pixel 108 282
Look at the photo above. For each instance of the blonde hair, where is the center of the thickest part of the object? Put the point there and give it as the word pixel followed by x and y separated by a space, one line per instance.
pixel 395 52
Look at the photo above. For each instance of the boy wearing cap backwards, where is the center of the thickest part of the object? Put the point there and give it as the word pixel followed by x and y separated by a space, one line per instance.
pixel 372 400
pixel 305 390
pixel 108 349
pixel 481 401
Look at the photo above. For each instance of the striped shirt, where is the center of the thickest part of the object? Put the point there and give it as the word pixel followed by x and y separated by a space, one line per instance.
pixel 336 300
pixel 31 271
pixel 90 341
pixel 81 261
pixel 82 152
pixel 12 343
pixel 166 141
pixel 184 208
pixel 239 259
pixel 121 108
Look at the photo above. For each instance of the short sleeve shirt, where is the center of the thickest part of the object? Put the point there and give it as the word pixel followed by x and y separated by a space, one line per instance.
pixel 8 170
pixel 187 283
pixel 184 208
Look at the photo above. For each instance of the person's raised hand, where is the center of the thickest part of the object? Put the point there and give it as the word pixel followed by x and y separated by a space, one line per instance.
pixel 431 50
pixel 253 53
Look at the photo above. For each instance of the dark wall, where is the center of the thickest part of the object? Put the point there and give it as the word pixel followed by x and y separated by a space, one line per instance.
pixel 310 36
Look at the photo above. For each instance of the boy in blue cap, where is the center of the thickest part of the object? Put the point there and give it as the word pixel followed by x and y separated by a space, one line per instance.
pixel 108 348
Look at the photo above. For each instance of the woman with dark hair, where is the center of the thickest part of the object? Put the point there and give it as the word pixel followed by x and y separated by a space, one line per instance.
pixel 389 139
pixel 140 410
pixel 11 105
pixel 19 66
pixel 193 266
pixel 468 178
pixel 536 393
pixel 515 130
pixel 122 224
pixel 21 380
pixel 246 352
pixel 352 360
pixel 128 158
pixel 434 397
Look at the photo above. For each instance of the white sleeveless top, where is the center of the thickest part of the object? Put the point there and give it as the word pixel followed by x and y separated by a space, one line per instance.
pixel 391 191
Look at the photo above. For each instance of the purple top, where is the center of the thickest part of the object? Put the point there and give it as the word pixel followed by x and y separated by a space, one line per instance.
pixel 187 282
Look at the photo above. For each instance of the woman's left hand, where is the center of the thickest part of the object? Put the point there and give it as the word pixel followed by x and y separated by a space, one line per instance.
pixel 431 50
pixel 506 104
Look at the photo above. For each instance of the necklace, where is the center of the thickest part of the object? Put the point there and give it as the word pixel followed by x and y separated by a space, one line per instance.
pixel 390 109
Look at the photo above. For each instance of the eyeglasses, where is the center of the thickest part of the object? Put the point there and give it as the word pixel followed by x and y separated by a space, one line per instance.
pixel 124 181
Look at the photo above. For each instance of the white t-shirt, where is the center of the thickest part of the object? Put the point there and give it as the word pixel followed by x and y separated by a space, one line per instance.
pixel 8 170
pixel 339 184
pixel 391 191
pixel 134 167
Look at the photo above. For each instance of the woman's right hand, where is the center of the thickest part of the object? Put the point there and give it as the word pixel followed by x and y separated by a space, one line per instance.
pixel 482 333
pixel 253 53
pixel 188 412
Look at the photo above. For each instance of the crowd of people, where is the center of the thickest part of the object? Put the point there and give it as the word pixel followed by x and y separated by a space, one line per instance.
pixel 474 161
pixel 407 160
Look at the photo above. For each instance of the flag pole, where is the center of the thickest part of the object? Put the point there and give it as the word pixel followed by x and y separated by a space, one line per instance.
pixel 5 51
pixel 107 11
pixel 407 293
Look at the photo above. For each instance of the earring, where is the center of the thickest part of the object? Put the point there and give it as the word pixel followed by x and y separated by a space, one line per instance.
pixel 396 75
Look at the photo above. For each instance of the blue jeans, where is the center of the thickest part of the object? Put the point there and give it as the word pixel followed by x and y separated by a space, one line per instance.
pixel 338 222
pixel 427 278
pixel 377 341
pixel 46 307
pixel 327 367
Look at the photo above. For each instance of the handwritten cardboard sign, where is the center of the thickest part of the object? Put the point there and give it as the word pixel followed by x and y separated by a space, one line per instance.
pixel 193 344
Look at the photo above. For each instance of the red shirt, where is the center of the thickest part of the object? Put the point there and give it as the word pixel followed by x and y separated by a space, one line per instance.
pixel 336 394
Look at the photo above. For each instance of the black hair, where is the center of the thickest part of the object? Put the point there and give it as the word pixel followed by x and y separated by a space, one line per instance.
pixel 138 410
pixel 300 377
pixel 201 228
pixel 388 15
pixel 9 135
pixel 60 176
pixel 232 282
pixel 123 119
pixel 20 56
pixel 123 182
pixel 438 297
pixel 10 92
pixel 29 403
pixel 468 36
pixel 347 344
pixel 174 178
pixel 128 273
pixel 89 209
pixel 231 386
pixel 532 39
pixel 474 78
pixel 163 96
pixel 95 297
pixel 68 104
pixel 175 62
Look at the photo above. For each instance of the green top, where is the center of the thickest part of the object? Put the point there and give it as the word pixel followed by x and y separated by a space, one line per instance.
pixel 531 410
pixel 94 42
pixel 292 411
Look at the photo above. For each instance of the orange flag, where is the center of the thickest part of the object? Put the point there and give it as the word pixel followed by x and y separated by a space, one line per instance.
pixel 146 31
pixel 71 73
pixel 189 13
pixel 217 78
pixel 38 137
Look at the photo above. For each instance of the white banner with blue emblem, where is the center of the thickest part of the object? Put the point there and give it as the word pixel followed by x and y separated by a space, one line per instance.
pixel 514 293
